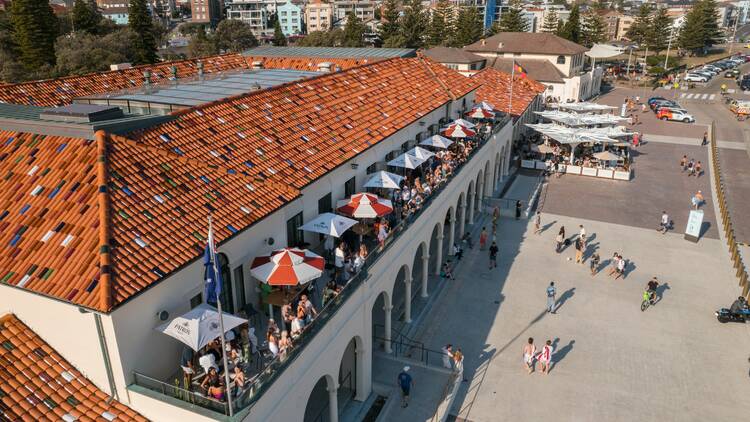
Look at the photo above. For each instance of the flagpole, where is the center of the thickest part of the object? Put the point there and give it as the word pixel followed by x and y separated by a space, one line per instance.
pixel 512 75
pixel 221 317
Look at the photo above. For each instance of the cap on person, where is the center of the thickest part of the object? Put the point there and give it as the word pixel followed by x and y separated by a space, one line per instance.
pixel 406 369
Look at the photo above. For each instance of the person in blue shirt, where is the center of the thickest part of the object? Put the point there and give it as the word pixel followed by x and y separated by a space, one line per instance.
pixel 551 297
pixel 405 382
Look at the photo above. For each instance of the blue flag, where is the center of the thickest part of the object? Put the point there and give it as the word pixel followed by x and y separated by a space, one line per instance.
pixel 212 274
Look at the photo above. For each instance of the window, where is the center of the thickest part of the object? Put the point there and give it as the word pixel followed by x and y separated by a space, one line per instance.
pixel 196 300
pixel 227 304
pixel 324 204
pixel 293 234
pixel 239 286
pixel 372 168
pixel 560 59
pixel 350 187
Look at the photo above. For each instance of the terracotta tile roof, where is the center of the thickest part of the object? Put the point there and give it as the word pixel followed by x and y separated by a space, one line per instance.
pixel 298 132
pixel 307 63
pixel 57 92
pixel 95 222
pixel 526 42
pixel 495 90
pixel 538 69
pixel 37 384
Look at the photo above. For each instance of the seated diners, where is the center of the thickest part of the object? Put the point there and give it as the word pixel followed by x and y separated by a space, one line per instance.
pixel 238 378
pixel 213 385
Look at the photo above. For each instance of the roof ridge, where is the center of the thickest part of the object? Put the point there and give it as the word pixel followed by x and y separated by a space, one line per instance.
pixel 423 61
pixel 103 199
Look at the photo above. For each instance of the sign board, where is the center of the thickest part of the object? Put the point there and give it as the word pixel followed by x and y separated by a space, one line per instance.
pixel 694 224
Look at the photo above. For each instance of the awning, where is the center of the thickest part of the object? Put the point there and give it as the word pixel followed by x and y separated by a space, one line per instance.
pixel 575 119
pixel 604 51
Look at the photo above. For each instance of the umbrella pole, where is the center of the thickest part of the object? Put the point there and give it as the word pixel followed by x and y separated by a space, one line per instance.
pixel 224 354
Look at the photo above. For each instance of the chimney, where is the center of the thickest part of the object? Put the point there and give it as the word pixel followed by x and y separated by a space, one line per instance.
pixel 120 66
pixel 257 65
pixel 325 67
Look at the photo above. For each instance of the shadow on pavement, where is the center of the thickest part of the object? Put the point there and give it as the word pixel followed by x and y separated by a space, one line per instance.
pixel 559 355
pixel 564 298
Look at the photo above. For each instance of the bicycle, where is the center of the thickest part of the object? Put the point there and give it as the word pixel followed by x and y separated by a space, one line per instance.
pixel 647 301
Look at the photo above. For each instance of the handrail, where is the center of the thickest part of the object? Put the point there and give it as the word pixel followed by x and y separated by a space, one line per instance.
pixel 273 369
pixel 726 219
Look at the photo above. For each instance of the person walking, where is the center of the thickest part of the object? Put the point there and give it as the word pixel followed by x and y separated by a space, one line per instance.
pixel 579 250
pixel 457 251
pixel 551 291
pixel 483 239
pixel 698 169
pixel 529 351
pixel 518 210
pixel 538 222
pixel 620 268
pixel 458 362
pixel 493 255
pixel 697 200
pixel 683 163
pixel 545 357
pixel 594 264
pixel 705 139
pixel 405 382
pixel 691 167
pixel 558 242
pixel 447 356
pixel 613 264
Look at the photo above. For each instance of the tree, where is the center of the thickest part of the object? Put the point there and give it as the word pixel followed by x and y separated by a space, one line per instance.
pixel 639 30
pixel 81 52
pixel 234 36
pixel 389 25
pixel 279 39
pixel 660 31
pixel 620 5
pixel 201 44
pixel 139 21
pixel 10 69
pixel 34 33
pixel 550 22
pixel 700 29
pixel 396 41
pixel 594 29
pixel 513 20
pixel 413 24
pixel 442 26
pixel 601 5
pixel 330 38
pixel 85 17
pixel 469 27
pixel 572 29
pixel 354 32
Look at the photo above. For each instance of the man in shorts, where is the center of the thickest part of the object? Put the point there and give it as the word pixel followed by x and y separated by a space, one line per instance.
pixel 406 383
pixel 545 357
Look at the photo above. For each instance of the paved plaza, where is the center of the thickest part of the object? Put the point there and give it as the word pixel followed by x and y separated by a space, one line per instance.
pixel 612 361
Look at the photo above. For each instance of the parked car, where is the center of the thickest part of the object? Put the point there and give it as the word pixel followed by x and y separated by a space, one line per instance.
pixel 712 67
pixel 653 99
pixel 745 84
pixel 664 103
pixel 667 114
pixel 670 105
pixel 696 77
pixel 732 73
pixel 705 73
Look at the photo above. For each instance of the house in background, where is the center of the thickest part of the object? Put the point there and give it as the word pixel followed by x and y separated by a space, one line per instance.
pixel 118 15
pixel 290 18
pixel 318 16
pixel 457 59
pixel 557 62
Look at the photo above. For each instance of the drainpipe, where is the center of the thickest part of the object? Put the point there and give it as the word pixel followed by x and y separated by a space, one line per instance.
pixel 105 354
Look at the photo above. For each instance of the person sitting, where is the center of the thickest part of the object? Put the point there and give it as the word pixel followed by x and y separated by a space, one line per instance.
pixel 297 326
pixel 447 271
pixel 211 379
pixel 239 380
pixel 329 292
pixel 216 392
pixel 738 306
pixel 467 239
pixel 273 345
pixel 458 252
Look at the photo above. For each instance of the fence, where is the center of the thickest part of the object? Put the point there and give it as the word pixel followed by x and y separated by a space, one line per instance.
pixel 734 248
pixel 274 368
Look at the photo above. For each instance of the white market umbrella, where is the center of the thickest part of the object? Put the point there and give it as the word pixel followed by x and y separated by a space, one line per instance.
pixel 437 141
pixel 199 326
pixel 544 149
pixel 365 205
pixel 606 156
pixel 329 224
pixel 287 267
pixel 406 161
pixel 485 105
pixel 463 122
pixel 420 153
pixel 385 180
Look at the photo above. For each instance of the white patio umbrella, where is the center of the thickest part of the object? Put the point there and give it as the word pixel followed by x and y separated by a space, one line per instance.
pixel 485 105
pixel 406 161
pixel 385 180
pixel 606 156
pixel 199 326
pixel 463 122
pixel 329 224
pixel 437 141
pixel 544 149
pixel 420 153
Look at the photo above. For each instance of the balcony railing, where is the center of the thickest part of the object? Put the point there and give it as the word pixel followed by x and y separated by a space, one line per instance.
pixel 243 402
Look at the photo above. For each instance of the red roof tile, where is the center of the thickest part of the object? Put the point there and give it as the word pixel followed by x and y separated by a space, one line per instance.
pixel 57 222
pixel 57 92
pixel 495 90
pixel 307 63
pixel 36 383
pixel 299 131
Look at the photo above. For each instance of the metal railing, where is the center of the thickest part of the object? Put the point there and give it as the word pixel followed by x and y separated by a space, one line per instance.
pixel 262 381
pixel 734 248
pixel 177 392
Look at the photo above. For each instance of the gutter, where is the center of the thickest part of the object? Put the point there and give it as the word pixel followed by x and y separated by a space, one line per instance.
pixel 105 355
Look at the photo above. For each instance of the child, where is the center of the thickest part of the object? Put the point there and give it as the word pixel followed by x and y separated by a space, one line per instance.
pixel 594 263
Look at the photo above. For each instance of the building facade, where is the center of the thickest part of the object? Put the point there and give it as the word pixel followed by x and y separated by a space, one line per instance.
pixel 290 18
pixel 363 9
pixel 206 11
pixel 318 16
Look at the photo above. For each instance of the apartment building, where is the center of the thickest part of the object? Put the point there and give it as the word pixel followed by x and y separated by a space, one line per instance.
pixel 318 15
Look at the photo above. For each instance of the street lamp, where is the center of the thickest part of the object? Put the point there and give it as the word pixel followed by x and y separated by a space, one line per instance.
pixel 669 46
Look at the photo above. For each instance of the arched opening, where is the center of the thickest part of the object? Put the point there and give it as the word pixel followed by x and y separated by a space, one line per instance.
pixel 399 297
pixel 318 408
pixel 460 218
pixel 436 248
pixel 419 271
pixel 480 187
pixel 381 322
pixel 469 211
pixel 448 230
pixel 487 181
pixel 350 369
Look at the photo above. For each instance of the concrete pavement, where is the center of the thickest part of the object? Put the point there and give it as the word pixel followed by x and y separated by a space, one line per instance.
pixel 613 362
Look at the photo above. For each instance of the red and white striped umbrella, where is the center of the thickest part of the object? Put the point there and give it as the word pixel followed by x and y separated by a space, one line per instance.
pixel 365 205
pixel 458 131
pixel 480 113
pixel 287 267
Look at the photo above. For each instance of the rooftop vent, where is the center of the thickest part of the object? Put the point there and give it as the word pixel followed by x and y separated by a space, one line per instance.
pixel 324 66
pixel 257 64
pixel 81 113
pixel 120 66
